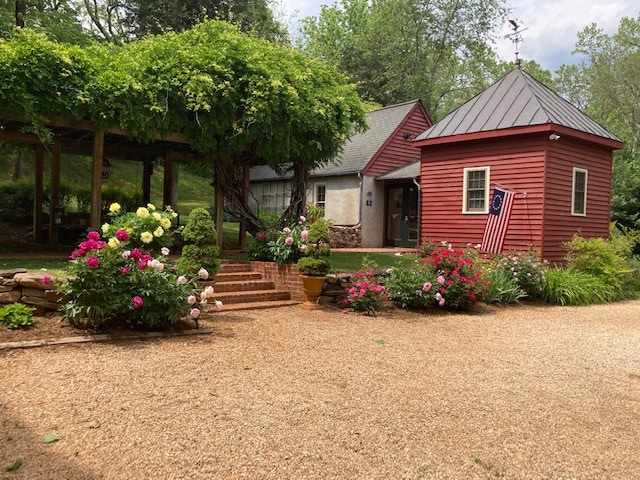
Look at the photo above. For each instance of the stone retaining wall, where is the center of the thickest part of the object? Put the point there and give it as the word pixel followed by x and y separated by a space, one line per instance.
pixel 18 286
pixel 345 237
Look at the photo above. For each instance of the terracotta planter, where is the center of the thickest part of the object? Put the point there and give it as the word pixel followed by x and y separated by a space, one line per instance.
pixel 312 289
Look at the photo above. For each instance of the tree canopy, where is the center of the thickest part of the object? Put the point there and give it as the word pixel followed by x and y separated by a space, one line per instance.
pixel 235 96
pixel 396 50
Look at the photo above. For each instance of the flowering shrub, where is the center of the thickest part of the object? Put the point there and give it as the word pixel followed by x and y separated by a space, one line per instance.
pixel 364 294
pixel 526 269
pixel 290 243
pixel 447 278
pixel 147 228
pixel 114 277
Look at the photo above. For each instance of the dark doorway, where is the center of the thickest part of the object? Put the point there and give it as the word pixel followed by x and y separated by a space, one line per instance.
pixel 402 215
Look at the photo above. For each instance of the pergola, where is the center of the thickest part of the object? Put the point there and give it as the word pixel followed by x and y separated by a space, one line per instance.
pixel 82 137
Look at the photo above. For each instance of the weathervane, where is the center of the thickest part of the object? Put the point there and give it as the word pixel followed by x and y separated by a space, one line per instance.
pixel 516 38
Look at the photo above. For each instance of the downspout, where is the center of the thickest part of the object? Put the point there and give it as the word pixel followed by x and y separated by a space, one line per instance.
pixel 360 207
pixel 417 184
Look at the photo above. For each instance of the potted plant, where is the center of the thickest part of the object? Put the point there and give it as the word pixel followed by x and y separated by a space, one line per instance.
pixel 314 266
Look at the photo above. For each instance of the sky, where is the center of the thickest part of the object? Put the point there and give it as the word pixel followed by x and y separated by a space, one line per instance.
pixel 552 26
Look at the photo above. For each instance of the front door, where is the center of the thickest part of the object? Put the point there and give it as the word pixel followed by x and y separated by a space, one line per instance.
pixel 402 215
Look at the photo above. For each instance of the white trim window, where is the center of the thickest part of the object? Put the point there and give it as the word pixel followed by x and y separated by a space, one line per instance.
pixel 579 192
pixel 475 191
pixel 320 195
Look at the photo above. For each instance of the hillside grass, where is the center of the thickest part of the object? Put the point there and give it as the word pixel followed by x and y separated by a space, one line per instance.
pixel 193 190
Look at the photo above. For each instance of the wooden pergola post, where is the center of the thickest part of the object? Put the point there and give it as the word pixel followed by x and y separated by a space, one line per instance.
pixel 38 193
pixel 170 186
pixel 54 214
pixel 219 212
pixel 242 232
pixel 147 171
pixel 96 179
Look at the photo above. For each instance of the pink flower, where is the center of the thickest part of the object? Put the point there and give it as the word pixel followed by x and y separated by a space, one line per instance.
pixel 191 299
pixel 125 271
pixel 164 251
pixel 142 264
pixel 46 279
pixel 345 311
pixel 303 248
pixel 286 230
pixel 203 274
pixel 137 301
pixel 126 254
pixel 93 262
pixel 440 299
pixel 440 279
pixel 182 280
pixel 195 313
pixel 122 235
pixel 303 218
pixel 93 235
pixel 136 254
pixel 304 234
pixel 288 240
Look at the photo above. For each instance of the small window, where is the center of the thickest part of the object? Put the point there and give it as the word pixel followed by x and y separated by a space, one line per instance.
pixel 579 192
pixel 475 197
pixel 320 195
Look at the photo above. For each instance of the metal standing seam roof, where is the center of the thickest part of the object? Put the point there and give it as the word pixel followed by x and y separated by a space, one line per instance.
pixel 358 150
pixel 410 170
pixel 516 100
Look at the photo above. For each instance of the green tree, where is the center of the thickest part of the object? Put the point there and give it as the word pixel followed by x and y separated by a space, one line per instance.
pixel 119 21
pixel 394 50
pixel 607 84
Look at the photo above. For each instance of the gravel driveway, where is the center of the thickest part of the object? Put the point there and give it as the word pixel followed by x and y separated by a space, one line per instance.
pixel 503 392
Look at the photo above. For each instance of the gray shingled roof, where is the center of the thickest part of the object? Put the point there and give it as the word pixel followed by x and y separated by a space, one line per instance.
pixel 410 170
pixel 359 149
pixel 516 100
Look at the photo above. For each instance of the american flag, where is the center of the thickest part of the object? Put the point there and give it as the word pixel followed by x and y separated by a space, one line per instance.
pixel 498 220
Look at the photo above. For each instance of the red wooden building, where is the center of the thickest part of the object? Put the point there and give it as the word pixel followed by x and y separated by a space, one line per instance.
pixel 521 135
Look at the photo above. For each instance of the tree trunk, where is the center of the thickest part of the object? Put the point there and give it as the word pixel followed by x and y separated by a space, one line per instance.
pixel 299 184
pixel 18 164
pixel 21 11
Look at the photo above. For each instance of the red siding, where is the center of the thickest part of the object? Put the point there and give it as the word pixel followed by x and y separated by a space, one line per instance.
pixel 517 163
pixel 398 151
pixel 541 172
pixel 559 224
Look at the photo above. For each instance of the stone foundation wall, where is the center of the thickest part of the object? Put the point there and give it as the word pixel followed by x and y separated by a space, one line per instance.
pixel 18 286
pixel 345 237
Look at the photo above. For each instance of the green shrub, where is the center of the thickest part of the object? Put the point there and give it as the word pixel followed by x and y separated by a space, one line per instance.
pixel 599 257
pixel 405 288
pixel 317 252
pixel 200 251
pixel 17 315
pixel 575 287
pixel 16 201
pixel 526 269
pixel 503 288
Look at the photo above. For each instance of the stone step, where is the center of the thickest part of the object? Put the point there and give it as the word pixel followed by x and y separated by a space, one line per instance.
pixel 235 267
pixel 252 296
pixel 230 307
pixel 234 277
pixel 243 286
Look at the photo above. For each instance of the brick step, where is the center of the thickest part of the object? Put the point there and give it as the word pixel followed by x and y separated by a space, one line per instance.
pixel 234 277
pixel 243 286
pixel 252 296
pixel 235 267
pixel 230 307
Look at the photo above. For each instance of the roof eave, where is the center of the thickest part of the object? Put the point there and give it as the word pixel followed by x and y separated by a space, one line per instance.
pixel 614 144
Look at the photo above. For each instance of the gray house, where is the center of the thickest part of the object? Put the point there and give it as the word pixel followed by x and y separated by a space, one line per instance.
pixel 370 191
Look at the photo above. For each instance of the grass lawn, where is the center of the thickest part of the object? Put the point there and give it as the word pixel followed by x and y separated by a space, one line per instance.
pixel 352 261
pixel 340 262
